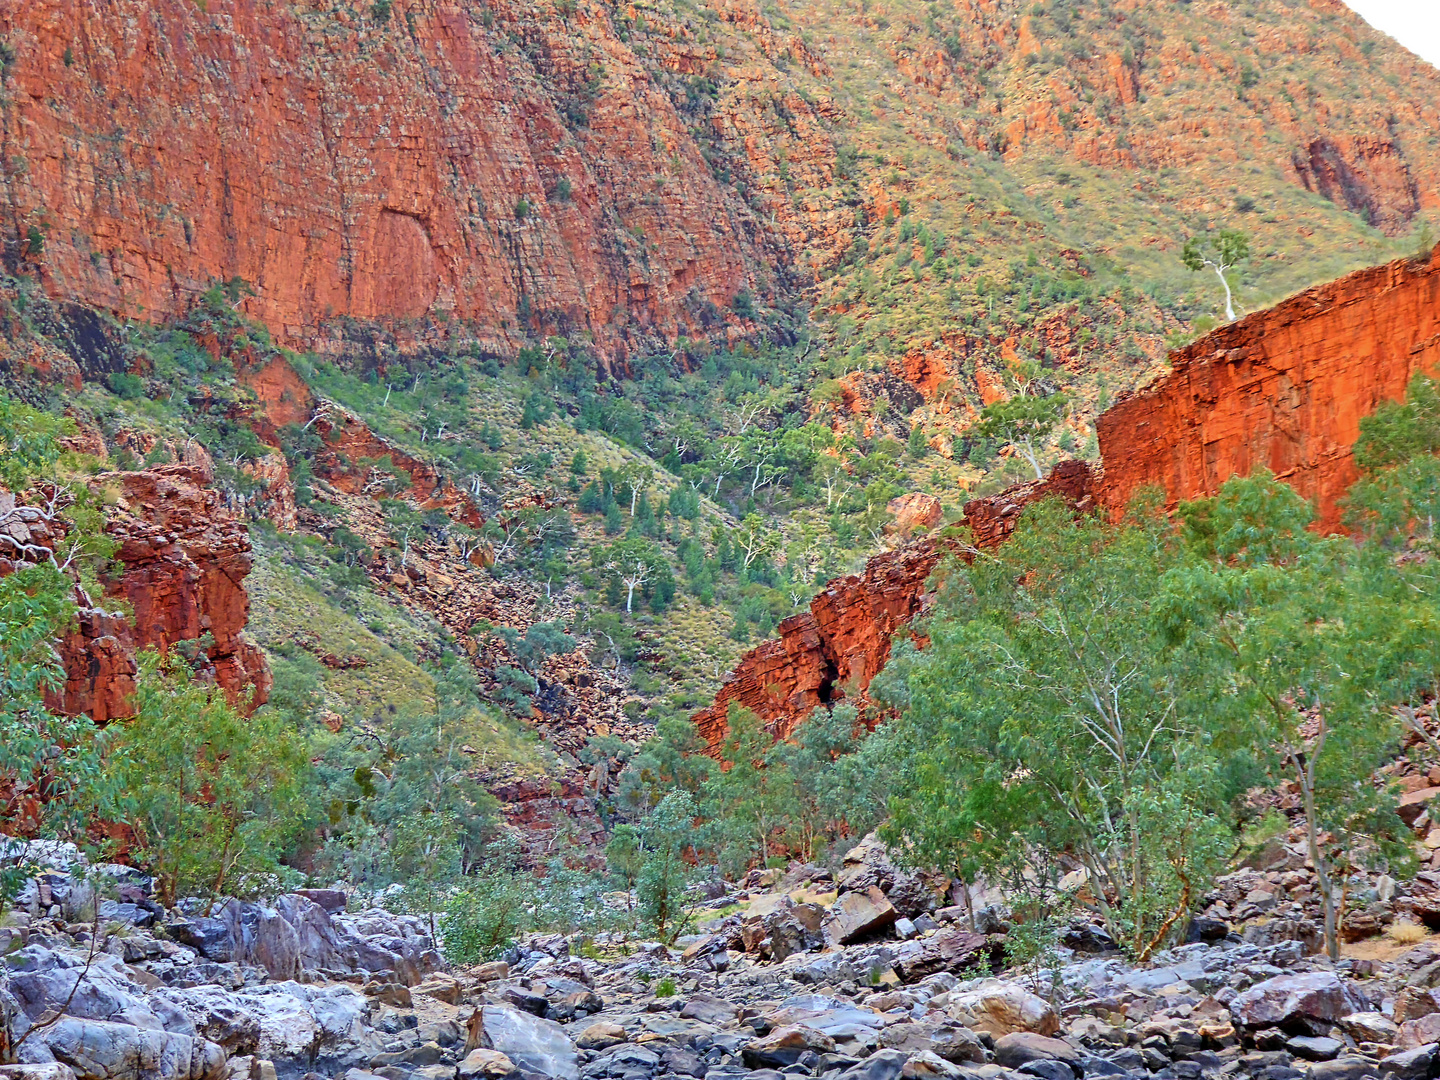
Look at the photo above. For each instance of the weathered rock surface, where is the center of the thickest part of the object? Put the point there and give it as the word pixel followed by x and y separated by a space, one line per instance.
pixel 183 558
pixel 1282 389
pixel 1319 995
pixel 845 638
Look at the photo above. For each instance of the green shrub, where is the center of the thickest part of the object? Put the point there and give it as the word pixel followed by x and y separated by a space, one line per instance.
pixel 211 797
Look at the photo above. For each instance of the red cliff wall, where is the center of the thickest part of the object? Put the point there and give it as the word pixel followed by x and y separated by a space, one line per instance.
pixel 1284 389
pixel 839 645
pixel 346 167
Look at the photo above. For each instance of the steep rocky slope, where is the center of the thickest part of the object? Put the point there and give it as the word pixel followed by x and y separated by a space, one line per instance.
pixel 955 182
pixel 835 649
pixel 181 561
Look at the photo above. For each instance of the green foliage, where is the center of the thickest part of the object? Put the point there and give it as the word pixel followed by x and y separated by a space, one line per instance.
pixel 211 797
pixel 37 748
pixel 1354 637
pixel 1228 249
pixel 662 885
pixel 1025 421
pixel 1043 718
pixel 31 442
pixel 1397 432
pixel 485 914
pixel 532 648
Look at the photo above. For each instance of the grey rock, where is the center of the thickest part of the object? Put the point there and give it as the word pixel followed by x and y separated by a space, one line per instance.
pixel 1349 1067
pixel 1020 1047
pixel 950 1042
pixel 103 1050
pixel 821 1013
pixel 1047 1069
pixel 533 1044
pixel 858 914
pixel 785 1045
pixel 207 936
pixel 709 1009
pixel 1414 1064
pixel 1314 1048
pixel 881 1065
pixel 927 1066
pixel 1314 995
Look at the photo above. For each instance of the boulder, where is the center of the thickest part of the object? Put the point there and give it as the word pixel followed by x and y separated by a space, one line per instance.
pixel 1415 1064
pixel 484 1064
pixel 927 1066
pixel 856 915
pixel 1373 1027
pixel 1413 1002
pixel 1288 999
pixel 709 1010
pixel 1417 1033
pixel 950 1041
pixel 784 1045
pixel 332 901
pixel 1348 1067
pixel 1001 1007
pixel 1019 1047
pixel 1314 1048
pixel 51 1070
pixel 881 1065
pixel 103 1050
pixel 532 1043
pixel 829 1015
pixel 1047 1069
pixel 209 937
pixel 601 1036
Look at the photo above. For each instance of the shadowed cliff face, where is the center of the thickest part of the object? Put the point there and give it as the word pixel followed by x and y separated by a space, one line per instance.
pixel 1282 389
pixel 504 167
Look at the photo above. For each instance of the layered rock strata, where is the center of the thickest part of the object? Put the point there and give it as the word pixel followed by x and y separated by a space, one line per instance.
pixel 423 166
pixel 1282 389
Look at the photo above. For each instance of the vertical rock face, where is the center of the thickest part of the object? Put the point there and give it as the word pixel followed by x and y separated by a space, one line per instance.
pixel 837 647
pixel 495 164
pixel 184 558
pixel 1283 389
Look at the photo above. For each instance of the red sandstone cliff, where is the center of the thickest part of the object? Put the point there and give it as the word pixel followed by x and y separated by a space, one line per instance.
pixel 837 647
pixel 183 559
pixel 1282 389
pixel 498 165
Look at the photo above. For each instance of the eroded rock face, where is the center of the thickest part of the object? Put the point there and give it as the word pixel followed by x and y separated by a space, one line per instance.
pixel 844 639
pixel 184 558
pixel 1283 389
pixel 406 169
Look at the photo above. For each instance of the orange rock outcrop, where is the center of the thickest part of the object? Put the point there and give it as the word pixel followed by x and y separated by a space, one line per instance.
pixel 183 558
pixel 1283 389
